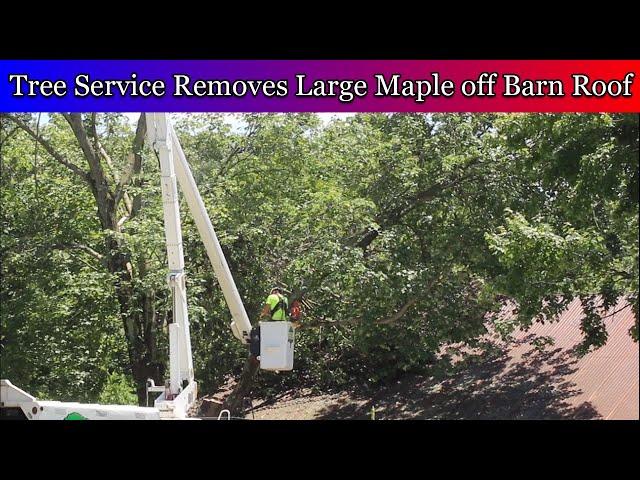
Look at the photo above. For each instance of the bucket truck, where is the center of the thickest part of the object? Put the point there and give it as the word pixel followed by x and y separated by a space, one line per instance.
pixel 179 392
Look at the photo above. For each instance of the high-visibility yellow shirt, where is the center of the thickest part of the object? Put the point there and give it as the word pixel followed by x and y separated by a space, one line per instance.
pixel 272 301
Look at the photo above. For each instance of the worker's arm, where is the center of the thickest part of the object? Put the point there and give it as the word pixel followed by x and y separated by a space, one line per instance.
pixel 269 304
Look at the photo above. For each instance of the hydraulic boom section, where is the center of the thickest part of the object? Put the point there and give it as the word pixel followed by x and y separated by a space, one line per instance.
pixel 175 170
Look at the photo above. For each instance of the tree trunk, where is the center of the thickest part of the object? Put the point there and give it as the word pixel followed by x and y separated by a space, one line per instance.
pixel 234 402
pixel 109 190
pixel 138 317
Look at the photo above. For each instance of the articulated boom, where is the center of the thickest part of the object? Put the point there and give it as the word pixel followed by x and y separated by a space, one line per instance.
pixel 182 390
pixel 175 170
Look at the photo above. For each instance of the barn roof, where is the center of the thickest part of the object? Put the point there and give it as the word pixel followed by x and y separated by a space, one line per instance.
pixel 604 382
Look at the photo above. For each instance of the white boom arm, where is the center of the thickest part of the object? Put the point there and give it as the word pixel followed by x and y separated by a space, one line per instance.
pixel 175 169
pixel 241 326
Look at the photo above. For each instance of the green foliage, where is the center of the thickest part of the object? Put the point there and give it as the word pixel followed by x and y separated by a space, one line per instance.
pixel 574 233
pixel 118 390
pixel 404 230
pixel 540 343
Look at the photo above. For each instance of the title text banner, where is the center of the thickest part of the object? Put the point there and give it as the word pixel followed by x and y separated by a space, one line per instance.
pixel 319 85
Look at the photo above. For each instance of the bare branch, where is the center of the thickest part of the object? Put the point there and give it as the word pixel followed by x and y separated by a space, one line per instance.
pixel 134 168
pixel 100 149
pixel 78 246
pixel 99 182
pixel 616 311
pixel 397 316
pixel 122 220
pixel 124 181
pixel 393 216
pixel 141 132
pixel 321 322
pixel 382 321
pixel 48 147
pixel 75 121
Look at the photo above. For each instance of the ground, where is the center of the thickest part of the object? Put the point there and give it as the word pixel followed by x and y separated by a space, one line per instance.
pixel 484 386
pixel 535 374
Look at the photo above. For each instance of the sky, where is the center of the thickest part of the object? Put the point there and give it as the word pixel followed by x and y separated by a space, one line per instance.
pixel 326 117
pixel 232 118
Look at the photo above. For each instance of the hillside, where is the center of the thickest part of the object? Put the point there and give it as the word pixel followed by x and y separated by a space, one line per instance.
pixel 536 375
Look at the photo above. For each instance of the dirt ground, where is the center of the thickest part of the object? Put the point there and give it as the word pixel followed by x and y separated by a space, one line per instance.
pixel 303 406
pixel 536 374
pixel 487 386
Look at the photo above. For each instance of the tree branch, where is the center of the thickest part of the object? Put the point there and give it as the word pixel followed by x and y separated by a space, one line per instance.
pixel 397 316
pixel 78 246
pixel 616 311
pixel 100 149
pixel 135 167
pixel 321 322
pixel 394 215
pixel 120 193
pixel 99 182
pixel 8 133
pixel 47 146
pixel 75 121
pixel 381 321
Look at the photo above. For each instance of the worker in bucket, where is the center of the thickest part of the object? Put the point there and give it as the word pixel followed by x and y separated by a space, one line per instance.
pixel 275 309
pixel 276 306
